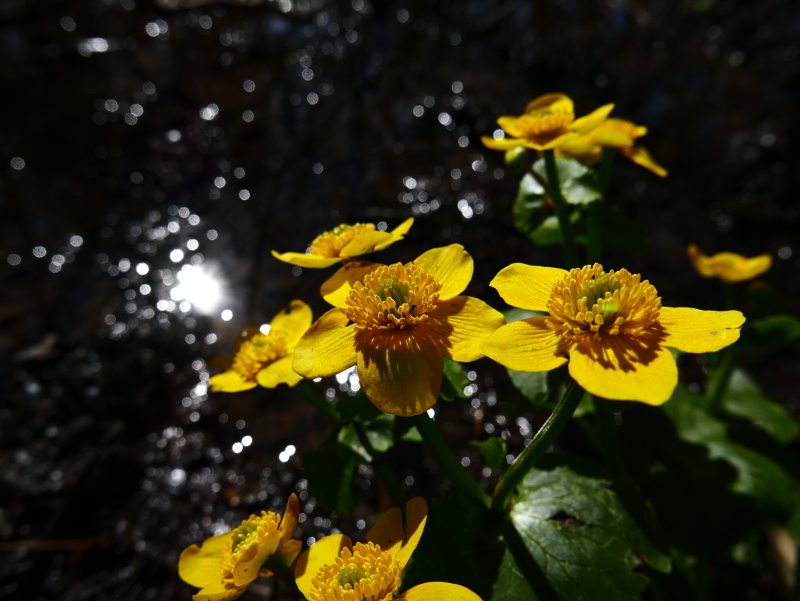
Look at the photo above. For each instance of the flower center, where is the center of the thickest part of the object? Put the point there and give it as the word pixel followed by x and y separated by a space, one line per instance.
pixel 364 574
pixel 544 125
pixel 258 352
pixel 256 530
pixel 330 244
pixel 590 303
pixel 393 296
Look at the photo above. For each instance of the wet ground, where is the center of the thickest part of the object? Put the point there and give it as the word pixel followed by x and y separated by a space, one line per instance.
pixel 152 154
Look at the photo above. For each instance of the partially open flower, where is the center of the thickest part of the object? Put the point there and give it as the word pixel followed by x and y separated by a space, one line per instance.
pixel 265 359
pixel 345 242
pixel 396 322
pixel 610 327
pixel 226 565
pixel 334 569
pixel 549 122
pixel 728 266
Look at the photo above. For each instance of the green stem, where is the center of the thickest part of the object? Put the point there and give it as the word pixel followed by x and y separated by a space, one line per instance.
pixel 382 470
pixel 595 251
pixel 718 385
pixel 447 461
pixel 282 572
pixel 562 211
pixel 538 446
pixel 305 390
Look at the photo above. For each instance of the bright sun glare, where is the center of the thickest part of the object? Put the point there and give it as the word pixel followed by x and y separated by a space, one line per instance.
pixel 198 287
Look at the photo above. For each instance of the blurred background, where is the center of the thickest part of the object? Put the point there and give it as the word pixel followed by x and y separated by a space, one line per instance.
pixel 154 152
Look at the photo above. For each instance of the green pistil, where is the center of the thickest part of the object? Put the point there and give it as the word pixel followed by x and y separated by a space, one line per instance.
pixel 394 289
pixel 601 292
pixel 241 534
pixel 349 576
pixel 340 229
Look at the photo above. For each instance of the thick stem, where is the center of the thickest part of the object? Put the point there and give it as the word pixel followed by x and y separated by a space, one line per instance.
pixel 718 385
pixel 382 470
pixel 595 251
pixel 538 446
pixel 447 461
pixel 312 396
pixel 562 211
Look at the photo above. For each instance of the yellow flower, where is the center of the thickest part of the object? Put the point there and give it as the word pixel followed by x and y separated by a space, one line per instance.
pixel 615 133
pixel 396 322
pixel 549 122
pixel 610 326
pixel 226 565
pixel 345 242
pixel 728 266
pixel 334 569
pixel 265 359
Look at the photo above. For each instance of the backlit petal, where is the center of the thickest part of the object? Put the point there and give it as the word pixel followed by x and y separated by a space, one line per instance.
pixel 199 566
pixel 365 243
pixel 502 143
pixel 525 345
pixel 696 331
pixel 337 288
pixel 278 372
pixel 451 266
pixel 327 348
pixel 609 136
pixel 554 102
pixel 592 120
pixel 554 143
pixel 400 370
pixel 397 233
pixel 641 157
pixel 230 381
pixel 438 591
pixel 306 260
pixel 387 532
pixel 463 322
pixel 510 125
pixel 249 564
pixel 320 554
pixel 294 320
pixel 290 517
pixel 527 286
pixel 416 518
pixel 220 591
pixel 625 370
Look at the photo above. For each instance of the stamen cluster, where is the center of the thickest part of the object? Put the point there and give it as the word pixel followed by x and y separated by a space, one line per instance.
pixel 257 352
pixel 543 125
pixel 590 303
pixel 393 296
pixel 330 244
pixel 365 574
pixel 255 530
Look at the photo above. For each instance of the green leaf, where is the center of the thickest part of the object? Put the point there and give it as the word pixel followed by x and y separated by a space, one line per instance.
pixel 330 471
pixel 379 432
pixel 581 537
pixel 412 435
pixel 771 332
pixel 454 381
pixel 532 385
pixel 579 183
pixel 357 408
pixel 348 436
pixel 549 232
pixel 514 314
pixel 530 207
pixel 744 399
pixel 494 451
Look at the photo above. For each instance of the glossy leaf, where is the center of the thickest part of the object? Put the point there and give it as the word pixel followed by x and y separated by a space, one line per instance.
pixel 494 451
pixel 771 332
pixel 454 381
pixel 579 183
pixel 530 206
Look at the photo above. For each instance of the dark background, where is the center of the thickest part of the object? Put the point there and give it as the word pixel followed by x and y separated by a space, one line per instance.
pixel 118 117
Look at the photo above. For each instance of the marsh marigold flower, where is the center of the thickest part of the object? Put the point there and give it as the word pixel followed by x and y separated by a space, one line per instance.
pixel 396 322
pixel 265 359
pixel 728 266
pixel 345 242
pixel 226 565
pixel 614 133
pixel 549 122
pixel 610 327
pixel 334 569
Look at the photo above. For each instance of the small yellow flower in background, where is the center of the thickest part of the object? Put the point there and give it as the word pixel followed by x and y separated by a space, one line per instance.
pixel 396 322
pixel 728 266
pixel 615 133
pixel 610 326
pixel 334 569
pixel 549 122
pixel 345 242
pixel 226 565
pixel 265 359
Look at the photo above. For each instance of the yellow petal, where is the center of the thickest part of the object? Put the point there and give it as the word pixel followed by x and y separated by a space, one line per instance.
pixel 320 554
pixel 625 370
pixel 248 566
pixel 592 120
pixel 306 260
pixel 696 331
pixel 290 515
pixel 278 372
pixel 463 322
pixel 451 266
pixel 416 518
pixel 502 143
pixel 200 566
pixel 554 143
pixel 387 532
pixel 294 320
pixel 510 125
pixel 553 102
pixel 289 550
pixel 397 233
pixel 230 381
pixel 437 591
pixel 220 591
pixel 641 157
pixel 337 288
pixel 525 345
pixel 327 348
pixel 246 335
pixel 608 136
pixel 365 243
pixel 527 286
pixel 728 266
pixel 401 370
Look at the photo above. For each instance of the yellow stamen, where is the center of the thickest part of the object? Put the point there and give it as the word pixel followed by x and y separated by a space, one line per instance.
pixel 365 574
pixel 330 244
pixel 393 296
pixel 255 530
pixel 544 125
pixel 258 352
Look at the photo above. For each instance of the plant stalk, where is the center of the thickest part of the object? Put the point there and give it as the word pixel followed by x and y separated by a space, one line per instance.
pixel 562 211
pixel 718 385
pixel 382 470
